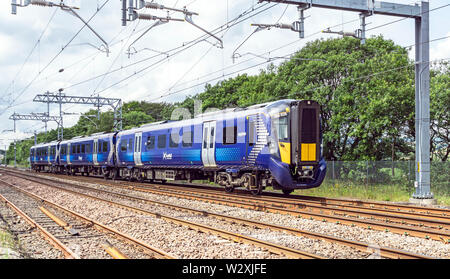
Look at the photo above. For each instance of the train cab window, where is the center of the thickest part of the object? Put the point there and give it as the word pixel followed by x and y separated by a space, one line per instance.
pixel 130 145
pixel 230 135
pixel 188 139
pixel 105 146
pixel 150 142
pixel 123 146
pixel 282 129
pixel 174 139
pixel 161 141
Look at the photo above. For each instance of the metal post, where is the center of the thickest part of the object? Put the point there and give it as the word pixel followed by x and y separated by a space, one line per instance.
pixel 422 123
pixel 14 143
pixel 124 12
pixel 48 113
pixel 362 36
pixel 60 115
pixel 332 164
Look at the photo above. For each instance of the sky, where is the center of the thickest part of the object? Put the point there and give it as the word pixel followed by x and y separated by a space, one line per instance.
pixel 42 49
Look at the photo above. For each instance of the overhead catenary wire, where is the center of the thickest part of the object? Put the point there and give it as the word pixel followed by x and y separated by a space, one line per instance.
pixel 32 50
pixel 178 91
pixel 54 58
pixel 180 49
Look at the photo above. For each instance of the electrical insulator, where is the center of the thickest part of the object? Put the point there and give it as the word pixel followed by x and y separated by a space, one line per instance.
pixel 146 17
pixel 153 5
pixel 41 3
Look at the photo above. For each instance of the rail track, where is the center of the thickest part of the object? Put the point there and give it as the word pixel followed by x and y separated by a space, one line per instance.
pixel 292 201
pixel 421 224
pixel 228 235
pixel 384 251
pixel 90 238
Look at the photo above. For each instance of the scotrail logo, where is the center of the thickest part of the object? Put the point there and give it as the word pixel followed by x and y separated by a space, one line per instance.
pixel 167 156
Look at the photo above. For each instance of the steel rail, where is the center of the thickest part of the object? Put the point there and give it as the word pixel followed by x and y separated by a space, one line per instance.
pixel 293 203
pixel 438 222
pixel 440 235
pixel 157 252
pixel 274 248
pixel 412 210
pixel 426 212
pixel 418 231
pixel 384 251
pixel 68 254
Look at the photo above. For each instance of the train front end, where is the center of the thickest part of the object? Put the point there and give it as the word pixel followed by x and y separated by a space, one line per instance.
pixel 295 145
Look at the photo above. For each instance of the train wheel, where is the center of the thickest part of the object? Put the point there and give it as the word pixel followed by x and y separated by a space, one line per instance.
pixel 257 191
pixel 229 189
pixel 287 191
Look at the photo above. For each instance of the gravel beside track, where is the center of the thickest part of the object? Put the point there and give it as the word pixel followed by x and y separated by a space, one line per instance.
pixel 174 239
pixel 314 246
pixel 373 238
pixel 28 242
pixel 87 243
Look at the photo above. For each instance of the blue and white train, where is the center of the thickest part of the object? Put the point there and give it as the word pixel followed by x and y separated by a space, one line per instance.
pixel 277 144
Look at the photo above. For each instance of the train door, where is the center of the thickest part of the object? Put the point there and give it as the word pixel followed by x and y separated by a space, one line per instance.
pixel 251 151
pixel 209 144
pixel 68 153
pixel 137 148
pixel 95 152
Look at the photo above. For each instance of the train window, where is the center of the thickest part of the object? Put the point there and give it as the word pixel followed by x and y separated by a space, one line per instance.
pixel 309 125
pixel 229 135
pixel 281 126
pixel 123 146
pixel 83 148
pixel 188 139
pixel 74 149
pixel 211 141
pixel 174 139
pixel 105 146
pixel 251 132
pixel 130 145
pixel 161 141
pixel 150 142
pixel 78 149
pixel 88 148
pixel 205 136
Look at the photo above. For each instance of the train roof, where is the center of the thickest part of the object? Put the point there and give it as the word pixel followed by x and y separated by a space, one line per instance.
pixel 101 135
pixel 207 116
pixel 45 144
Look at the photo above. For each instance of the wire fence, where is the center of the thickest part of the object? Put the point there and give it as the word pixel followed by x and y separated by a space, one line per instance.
pixel 377 175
